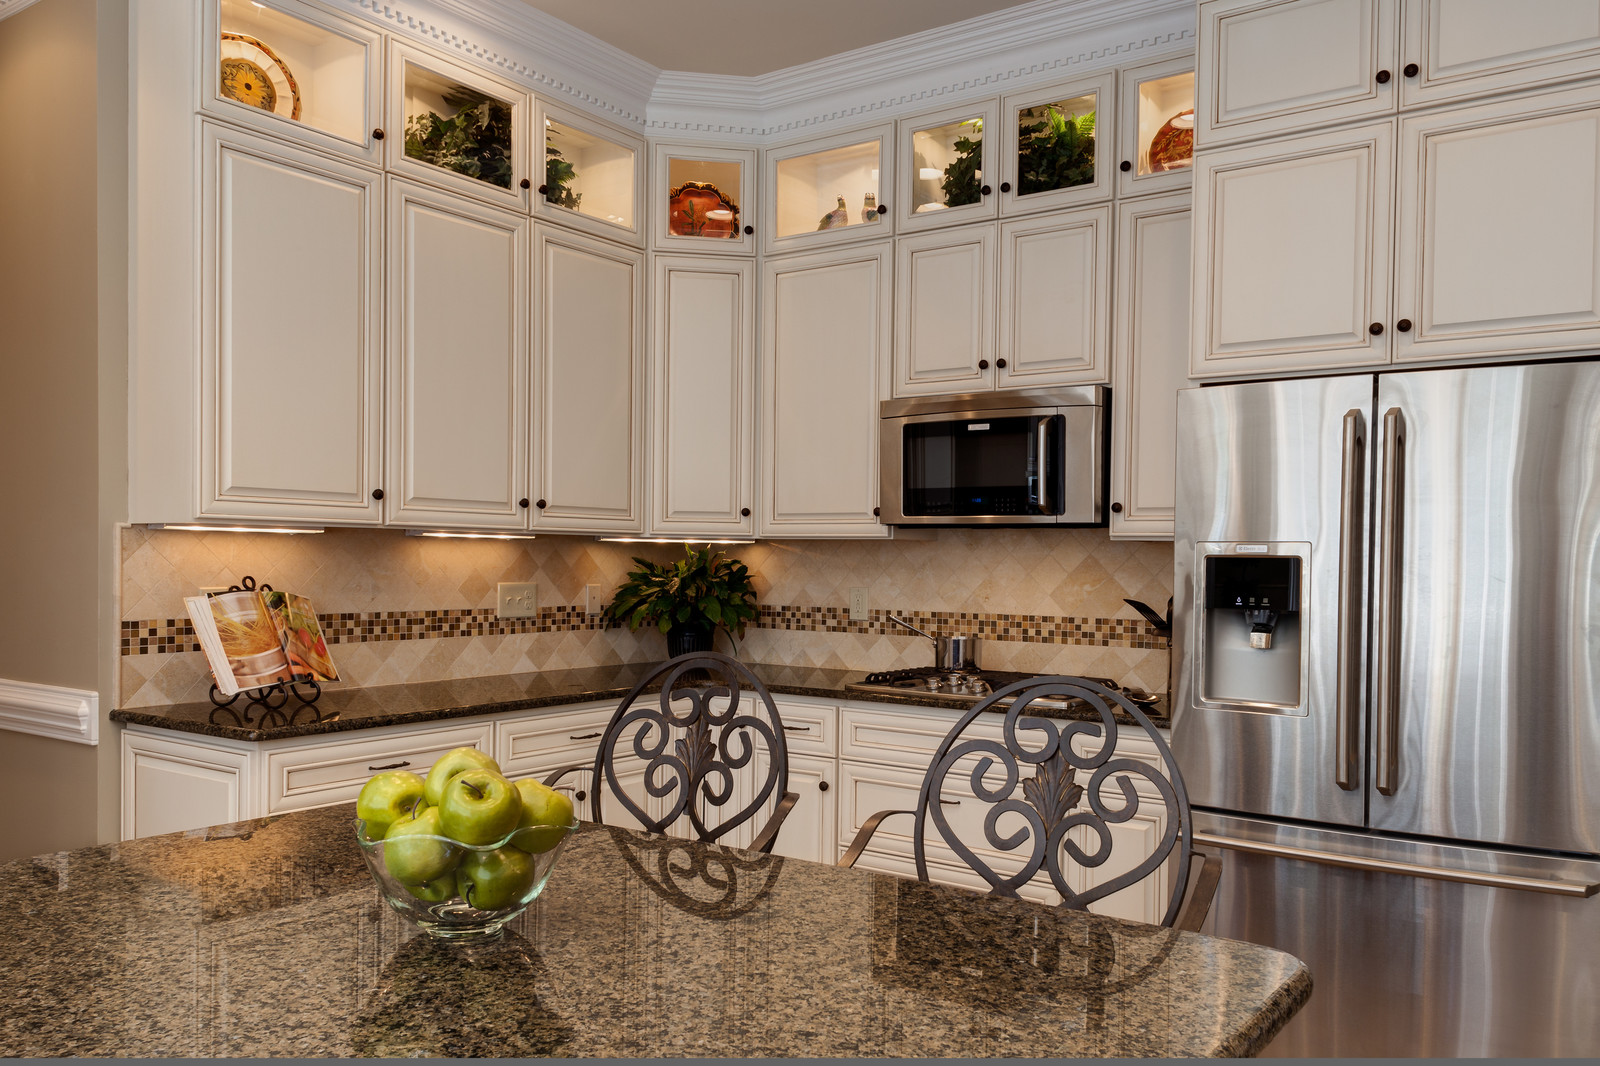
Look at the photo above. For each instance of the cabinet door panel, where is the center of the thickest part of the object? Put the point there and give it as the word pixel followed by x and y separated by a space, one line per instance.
pixel 1153 252
pixel 825 352
pixel 1471 47
pixel 1055 297
pixel 1269 67
pixel 458 364
pixel 588 394
pixel 704 393
pixel 944 311
pixel 291 303
pixel 1295 266
pixel 1493 257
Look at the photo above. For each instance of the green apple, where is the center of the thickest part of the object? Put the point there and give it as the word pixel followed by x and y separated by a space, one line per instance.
pixel 490 880
pixel 479 807
pixel 543 808
pixel 410 853
pixel 437 890
pixel 385 799
pixel 448 765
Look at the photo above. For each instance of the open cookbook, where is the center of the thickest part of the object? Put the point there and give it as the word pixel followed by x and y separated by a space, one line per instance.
pixel 257 638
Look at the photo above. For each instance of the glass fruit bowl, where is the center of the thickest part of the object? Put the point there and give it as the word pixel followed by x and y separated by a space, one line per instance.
pixel 457 890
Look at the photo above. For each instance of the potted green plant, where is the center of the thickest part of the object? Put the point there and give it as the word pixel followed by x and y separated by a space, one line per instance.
pixel 1056 153
pixel 688 600
pixel 475 141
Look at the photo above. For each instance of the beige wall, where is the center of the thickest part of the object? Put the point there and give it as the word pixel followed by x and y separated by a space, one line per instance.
pixel 56 570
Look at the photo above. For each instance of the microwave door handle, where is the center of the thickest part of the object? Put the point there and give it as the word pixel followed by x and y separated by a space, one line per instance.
pixel 1042 443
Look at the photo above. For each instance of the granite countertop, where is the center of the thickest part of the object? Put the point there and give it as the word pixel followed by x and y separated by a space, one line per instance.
pixel 341 709
pixel 268 938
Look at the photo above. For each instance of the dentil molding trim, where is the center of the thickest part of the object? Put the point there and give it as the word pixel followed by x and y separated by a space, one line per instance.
pixel 50 711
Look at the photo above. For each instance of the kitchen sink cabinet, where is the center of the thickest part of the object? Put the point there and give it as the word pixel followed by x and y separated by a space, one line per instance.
pixel 824 368
pixel 1151 363
pixel 457 357
pixel 702 387
pixel 589 384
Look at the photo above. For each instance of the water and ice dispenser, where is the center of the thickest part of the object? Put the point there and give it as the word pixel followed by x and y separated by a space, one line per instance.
pixel 1250 638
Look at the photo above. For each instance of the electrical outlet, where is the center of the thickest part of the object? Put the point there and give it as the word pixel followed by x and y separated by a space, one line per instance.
pixel 858 606
pixel 516 599
pixel 593 599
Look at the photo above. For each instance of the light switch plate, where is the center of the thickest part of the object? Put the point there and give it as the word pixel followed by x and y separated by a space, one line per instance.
pixel 593 599
pixel 858 606
pixel 516 599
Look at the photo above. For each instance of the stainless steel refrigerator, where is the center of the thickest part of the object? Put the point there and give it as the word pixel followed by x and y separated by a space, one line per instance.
pixel 1387 697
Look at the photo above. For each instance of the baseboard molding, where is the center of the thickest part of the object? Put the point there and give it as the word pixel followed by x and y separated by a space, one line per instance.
pixel 50 711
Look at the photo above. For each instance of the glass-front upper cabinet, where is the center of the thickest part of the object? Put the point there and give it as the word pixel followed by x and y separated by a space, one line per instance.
pixel 1058 145
pixel 703 199
pixel 945 167
pixel 457 128
pixel 296 71
pixel 593 177
pixel 829 190
pixel 1156 127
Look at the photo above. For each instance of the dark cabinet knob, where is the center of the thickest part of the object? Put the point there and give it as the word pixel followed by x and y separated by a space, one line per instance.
pixel 580 795
pixel 543 189
pixel 1124 166
pixel 540 505
pixel 377 135
pixel 822 786
pixel 377 494
pixel 1375 329
pixel 1404 325
pixel 983 364
pixel 749 230
pixel 1005 186
pixel 1411 70
pixel 1001 363
pixel 985 190
pixel 1383 77
pixel 526 184
pixel 522 502
pixel 883 209
pixel 744 512
pixel 876 512
pixel 1116 508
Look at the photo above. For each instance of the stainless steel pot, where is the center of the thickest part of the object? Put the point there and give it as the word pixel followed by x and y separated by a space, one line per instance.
pixel 949 653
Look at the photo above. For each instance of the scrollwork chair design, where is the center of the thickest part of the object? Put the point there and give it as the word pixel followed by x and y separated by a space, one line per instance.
pixel 696 739
pixel 1076 781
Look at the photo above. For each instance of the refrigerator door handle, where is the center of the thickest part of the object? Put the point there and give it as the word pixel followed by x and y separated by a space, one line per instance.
pixel 1387 604
pixel 1347 701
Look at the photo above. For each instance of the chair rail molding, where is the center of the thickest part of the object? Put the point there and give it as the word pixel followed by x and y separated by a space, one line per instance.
pixel 50 711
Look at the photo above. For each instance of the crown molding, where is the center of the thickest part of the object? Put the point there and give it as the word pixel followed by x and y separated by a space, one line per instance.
pixel 50 711
pixel 11 7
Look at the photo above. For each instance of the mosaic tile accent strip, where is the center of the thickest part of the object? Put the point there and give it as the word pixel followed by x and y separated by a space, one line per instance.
pixel 156 636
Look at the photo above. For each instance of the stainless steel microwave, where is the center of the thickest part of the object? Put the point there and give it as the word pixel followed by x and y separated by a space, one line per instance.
pixel 995 458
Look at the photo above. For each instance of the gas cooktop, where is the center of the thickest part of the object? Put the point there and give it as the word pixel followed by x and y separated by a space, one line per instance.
pixel 970 686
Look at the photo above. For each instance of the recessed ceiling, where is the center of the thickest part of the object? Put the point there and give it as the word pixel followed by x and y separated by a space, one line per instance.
pixel 749 37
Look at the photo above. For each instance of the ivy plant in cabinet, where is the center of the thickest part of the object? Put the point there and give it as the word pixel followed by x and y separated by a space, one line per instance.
pixel 824 368
pixel 1151 364
pixel 1058 146
pixel 458 361
pixel 291 297
pixel 702 386
pixel 589 384
pixel 588 174
pixel 939 166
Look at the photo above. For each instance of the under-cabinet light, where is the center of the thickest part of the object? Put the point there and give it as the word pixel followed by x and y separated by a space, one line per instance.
pixel 237 529
pixel 674 540
pixel 454 535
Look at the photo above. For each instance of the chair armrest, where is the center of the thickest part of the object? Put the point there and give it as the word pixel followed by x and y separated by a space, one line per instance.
pixel 550 781
pixel 1204 873
pixel 769 834
pixel 859 844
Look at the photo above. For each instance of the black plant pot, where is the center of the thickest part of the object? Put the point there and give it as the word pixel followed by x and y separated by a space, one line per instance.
pixel 687 637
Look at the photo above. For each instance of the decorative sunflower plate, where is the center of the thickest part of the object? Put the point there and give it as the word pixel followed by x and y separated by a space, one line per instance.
pixel 253 74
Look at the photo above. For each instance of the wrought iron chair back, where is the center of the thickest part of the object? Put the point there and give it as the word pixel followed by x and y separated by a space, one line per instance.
pixel 1076 781
pixel 697 737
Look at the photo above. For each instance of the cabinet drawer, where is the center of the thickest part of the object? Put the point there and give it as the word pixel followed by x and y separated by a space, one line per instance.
pixel 809 729
pixel 904 738
pixel 322 774
pixel 535 743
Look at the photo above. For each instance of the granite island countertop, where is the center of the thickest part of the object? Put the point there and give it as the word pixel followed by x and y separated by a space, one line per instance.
pixel 343 708
pixel 268 938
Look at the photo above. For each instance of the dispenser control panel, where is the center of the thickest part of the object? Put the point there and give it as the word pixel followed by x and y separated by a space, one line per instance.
pixel 1270 583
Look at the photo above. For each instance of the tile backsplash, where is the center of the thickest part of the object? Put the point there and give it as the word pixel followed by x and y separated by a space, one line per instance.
pixel 401 608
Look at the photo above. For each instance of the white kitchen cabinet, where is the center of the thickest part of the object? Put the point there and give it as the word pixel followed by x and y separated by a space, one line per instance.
pixel 427 94
pixel 294 70
pixel 291 302
pixel 828 190
pixel 1151 364
pixel 702 199
pixel 1155 127
pixel 538 744
pixel 702 386
pixel 457 358
pixel 824 368
pixel 1055 300
pixel 1044 164
pixel 941 164
pixel 321 771
pixel 172 782
pixel 944 311
pixel 1453 49
pixel 590 175
pixel 588 384
pixel 1270 67
pixel 1291 265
